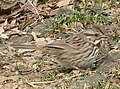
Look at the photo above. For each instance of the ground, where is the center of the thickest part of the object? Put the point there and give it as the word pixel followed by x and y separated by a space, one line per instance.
pixel 38 22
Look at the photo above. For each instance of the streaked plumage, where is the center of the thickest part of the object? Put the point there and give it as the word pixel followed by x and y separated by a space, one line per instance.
pixel 79 51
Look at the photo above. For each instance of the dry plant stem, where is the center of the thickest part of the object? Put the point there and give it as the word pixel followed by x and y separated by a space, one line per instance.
pixel 55 81
pixel 33 7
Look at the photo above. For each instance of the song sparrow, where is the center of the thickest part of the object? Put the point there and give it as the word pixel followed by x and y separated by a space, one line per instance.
pixel 80 50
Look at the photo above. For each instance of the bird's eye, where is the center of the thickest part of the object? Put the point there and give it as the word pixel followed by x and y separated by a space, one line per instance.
pixel 96 35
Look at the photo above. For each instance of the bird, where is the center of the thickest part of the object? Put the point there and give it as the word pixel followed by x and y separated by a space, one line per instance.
pixel 79 51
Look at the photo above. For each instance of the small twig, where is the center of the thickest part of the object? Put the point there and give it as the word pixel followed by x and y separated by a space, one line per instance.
pixel 109 81
pixel 33 7
pixel 29 83
pixel 42 82
pixel 107 85
pixel 47 82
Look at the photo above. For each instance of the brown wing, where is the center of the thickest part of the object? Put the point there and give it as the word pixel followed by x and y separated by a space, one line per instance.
pixel 70 43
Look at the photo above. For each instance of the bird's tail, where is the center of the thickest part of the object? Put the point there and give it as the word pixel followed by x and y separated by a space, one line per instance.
pixel 36 47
